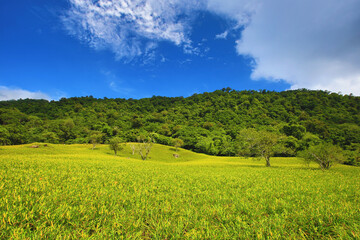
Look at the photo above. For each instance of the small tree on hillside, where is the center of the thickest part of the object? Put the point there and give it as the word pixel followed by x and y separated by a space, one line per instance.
pixel 95 138
pixel 324 154
pixel 177 142
pixel 144 146
pixel 261 144
pixel 133 148
pixel 115 144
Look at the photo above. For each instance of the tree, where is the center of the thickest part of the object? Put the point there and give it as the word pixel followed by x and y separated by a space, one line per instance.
pixel 324 154
pixel 50 137
pixel 145 145
pixel 95 138
pixel 115 144
pixel 206 145
pixel 292 145
pixel 227 147
pixel 177 142
pixel 4 136
pixel 67 128
pixel 309 140
pixel 261 144
pixel 294 130
pixel 133 148
pixel 353 155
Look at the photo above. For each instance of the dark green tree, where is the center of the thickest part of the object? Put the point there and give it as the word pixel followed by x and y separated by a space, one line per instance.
pixel 4 136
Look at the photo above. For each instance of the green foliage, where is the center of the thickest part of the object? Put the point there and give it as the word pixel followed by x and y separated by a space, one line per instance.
pixel 95 138
pixel 207 123
pixel 294 130
pixel 262 144
pixel 291 144
pixel 206 145
pixel 352 155
pixel 161 139
pixel 115 144
pixel 177 142
pixel 325 154
pixel 4 136
pixel 50 137
pixel 309 140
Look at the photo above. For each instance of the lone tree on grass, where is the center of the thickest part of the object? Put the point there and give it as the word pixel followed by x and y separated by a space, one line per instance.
pixel 324 154
pixel 115 144
pixel 261 144
pixel 177 142
pixel 144 146
pixel 133 148
pixel 95 138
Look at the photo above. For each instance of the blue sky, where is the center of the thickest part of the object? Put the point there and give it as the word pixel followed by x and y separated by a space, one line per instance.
pixel 140 48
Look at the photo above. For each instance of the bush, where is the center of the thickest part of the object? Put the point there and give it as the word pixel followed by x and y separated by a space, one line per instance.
pixel 352 157
pixel 325 154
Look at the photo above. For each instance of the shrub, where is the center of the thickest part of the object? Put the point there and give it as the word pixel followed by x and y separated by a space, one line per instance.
pixel 325 154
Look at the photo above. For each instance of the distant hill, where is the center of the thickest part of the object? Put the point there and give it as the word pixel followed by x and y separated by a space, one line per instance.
pixel 207 122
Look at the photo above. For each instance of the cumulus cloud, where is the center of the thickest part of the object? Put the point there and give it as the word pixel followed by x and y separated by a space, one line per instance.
pixel 16 93
pixel 239 10
pixel 309 44
pixel 127 26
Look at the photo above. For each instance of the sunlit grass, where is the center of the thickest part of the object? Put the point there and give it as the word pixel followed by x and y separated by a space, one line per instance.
pixel 74 192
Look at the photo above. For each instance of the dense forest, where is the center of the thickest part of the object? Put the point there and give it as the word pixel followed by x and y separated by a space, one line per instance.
pixel 208 122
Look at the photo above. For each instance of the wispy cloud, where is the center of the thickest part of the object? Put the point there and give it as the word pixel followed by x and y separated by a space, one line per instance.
pixel 127 26
pixel 186 61
pixel 222 35
pixel 115 84
pixel 7 93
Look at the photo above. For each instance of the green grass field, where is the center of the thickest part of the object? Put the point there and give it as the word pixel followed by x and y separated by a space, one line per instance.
pixel 73 192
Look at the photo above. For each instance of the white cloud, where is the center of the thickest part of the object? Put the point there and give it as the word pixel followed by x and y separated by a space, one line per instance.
pixel 126 26
pixel 222 35
pixel 239 10
pixel 309 44
pixel 16 93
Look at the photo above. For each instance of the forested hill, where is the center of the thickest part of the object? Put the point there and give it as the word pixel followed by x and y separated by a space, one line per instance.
pixel 207 122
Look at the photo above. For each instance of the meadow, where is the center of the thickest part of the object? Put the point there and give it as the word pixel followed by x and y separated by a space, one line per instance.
pixel 73 192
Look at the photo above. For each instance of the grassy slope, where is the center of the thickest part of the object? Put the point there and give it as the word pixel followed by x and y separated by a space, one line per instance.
pixel 74 192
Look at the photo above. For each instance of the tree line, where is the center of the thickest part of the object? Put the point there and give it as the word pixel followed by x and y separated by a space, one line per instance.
pixel 216 123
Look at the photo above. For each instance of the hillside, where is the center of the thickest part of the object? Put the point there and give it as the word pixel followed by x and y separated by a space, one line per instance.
pixel 207 123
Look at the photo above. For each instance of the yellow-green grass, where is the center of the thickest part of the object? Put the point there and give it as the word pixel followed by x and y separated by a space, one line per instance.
pixel 73 192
